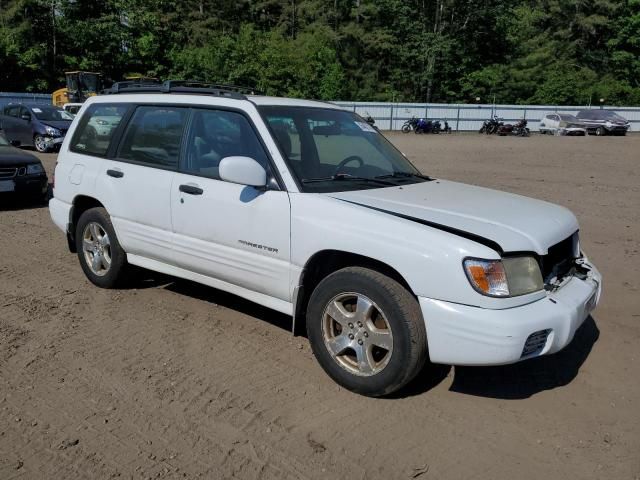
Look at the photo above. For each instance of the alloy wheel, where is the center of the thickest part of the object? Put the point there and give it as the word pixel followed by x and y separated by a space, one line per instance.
pixel 97 248
pixel 357 334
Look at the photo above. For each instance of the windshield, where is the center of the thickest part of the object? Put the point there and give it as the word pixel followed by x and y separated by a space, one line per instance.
pixel 49 114
pixel 608 115
pixel 89 82
pixel 332 150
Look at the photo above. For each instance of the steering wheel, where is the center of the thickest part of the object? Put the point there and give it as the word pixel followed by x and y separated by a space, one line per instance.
pixel 352 158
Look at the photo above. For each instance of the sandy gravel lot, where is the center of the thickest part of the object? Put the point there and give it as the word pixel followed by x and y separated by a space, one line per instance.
pixel 174 380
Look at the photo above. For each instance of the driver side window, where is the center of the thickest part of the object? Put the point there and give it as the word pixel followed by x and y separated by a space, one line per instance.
pixel 216 134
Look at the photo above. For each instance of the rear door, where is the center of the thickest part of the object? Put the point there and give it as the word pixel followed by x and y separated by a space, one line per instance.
pixel 234 233
pixel 136 183
pixel 9 121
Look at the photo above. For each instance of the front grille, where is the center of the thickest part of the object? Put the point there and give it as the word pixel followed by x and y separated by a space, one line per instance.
pixel 8 172
pixel 559 259
pixel 535 343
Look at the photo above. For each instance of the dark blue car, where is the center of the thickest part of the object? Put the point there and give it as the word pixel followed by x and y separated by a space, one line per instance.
pixel 40 126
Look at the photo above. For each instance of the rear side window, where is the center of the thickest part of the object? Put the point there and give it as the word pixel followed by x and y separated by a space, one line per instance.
pixel 97 127
pixel 153 136
pixel 12 111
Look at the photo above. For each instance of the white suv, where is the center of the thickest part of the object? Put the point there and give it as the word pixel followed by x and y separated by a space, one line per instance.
pixel 305 208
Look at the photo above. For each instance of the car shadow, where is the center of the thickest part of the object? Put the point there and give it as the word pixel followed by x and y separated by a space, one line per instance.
pixel 142 278
pixel 12 201
pixel 511 382
pixel 525 379
pixel 230 301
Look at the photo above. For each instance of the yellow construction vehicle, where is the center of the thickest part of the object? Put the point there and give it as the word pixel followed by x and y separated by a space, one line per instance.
pixel 139 78
pixel 80 86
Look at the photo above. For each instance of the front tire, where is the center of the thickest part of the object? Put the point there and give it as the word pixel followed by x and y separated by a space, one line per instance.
pixel 366 331
pixel 40 142
pixel 101 257
pixel 601 132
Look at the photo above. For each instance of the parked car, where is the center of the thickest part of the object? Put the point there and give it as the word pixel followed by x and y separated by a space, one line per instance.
pixel 603 122
pixel 305 208
pixel 72 108
pixel 561 124
pixel 20 172
pixel 40 126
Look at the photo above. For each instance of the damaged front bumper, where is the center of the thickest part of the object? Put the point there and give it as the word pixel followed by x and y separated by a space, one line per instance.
pixel 466 335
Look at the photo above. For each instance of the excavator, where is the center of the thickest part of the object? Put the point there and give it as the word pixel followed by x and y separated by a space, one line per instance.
pixel 80 86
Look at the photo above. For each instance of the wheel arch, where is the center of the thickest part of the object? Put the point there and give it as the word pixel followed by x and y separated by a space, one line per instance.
pixel 80 204
pixel 324 263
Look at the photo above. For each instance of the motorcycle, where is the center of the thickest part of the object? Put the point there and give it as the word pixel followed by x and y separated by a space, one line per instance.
pixel 422 125
pixel 410 125
pixel 371 121
pixel 491 126
pixel 519 129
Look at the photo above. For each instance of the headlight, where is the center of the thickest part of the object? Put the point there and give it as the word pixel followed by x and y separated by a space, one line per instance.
pixel 509 277
pixel 54 132
pixel 34 169
pixel 102 122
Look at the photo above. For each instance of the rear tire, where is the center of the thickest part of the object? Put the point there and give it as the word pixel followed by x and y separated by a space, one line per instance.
pixel 366 331
pixel 601 132
pixel 101 257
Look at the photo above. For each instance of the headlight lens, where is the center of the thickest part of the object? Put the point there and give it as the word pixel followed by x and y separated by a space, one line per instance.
pixel 34 169
pixel 509 277
pixel 54 132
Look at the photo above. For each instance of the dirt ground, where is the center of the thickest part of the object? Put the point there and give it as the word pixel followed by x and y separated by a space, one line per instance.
pixel 174 380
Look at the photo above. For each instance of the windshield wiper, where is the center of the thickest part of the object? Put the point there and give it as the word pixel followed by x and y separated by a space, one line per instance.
pixel 345 176
pixel 404 175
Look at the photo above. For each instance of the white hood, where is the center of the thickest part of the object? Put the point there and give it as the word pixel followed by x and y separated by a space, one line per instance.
pixel 514 222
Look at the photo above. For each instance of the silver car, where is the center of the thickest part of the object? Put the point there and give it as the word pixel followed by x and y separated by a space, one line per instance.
pixel 561 124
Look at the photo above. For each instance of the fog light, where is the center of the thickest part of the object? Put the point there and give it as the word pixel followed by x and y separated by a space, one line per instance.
pixel 535 343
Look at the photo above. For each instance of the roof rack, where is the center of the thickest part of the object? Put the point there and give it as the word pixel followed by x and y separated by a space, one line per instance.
pixel 180 86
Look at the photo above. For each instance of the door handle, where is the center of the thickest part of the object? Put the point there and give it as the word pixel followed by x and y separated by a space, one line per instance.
pixel 191 189
pixel 115 173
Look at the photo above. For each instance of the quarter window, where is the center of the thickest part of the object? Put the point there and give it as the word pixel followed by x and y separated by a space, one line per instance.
pixel 153 136
pixel 216 134
pixel 97 127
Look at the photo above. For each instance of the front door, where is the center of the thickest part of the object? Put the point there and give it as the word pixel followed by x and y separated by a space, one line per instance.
pixel 234 233
pixel 23 128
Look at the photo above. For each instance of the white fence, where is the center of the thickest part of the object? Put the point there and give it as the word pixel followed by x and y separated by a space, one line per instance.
pixel 391 116
pixel 464 117
pixel 9 97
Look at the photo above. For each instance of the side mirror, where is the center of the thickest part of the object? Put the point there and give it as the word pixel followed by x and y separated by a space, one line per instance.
pixel 242 170
pixel 25 116
pixel 16 143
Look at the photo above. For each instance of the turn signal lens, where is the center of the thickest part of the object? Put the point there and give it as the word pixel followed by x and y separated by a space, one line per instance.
pixel 487 276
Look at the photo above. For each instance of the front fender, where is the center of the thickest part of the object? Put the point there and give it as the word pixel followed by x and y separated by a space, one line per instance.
pixel 429 259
